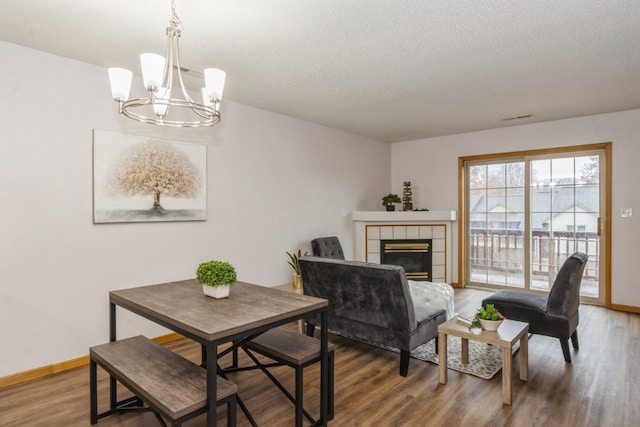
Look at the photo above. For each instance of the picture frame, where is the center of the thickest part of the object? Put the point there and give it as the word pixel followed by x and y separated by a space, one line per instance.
pixel 146 179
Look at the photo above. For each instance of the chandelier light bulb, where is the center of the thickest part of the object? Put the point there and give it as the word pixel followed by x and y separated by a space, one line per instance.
pixel 120 80
pixel 152 70
pixel 214 83
pixel 161 101
pixel 205 97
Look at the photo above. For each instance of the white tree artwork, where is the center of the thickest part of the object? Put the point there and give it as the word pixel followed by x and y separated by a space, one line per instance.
pixel 138 179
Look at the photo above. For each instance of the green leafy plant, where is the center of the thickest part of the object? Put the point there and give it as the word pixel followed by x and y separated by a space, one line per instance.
pixel 390 199
pixel 293 260
pixel 216 273
pixel 488 312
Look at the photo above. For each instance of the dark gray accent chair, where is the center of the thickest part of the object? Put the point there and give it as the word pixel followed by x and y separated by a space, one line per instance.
pixel 555 315
pixel 327 247
pixel 371 303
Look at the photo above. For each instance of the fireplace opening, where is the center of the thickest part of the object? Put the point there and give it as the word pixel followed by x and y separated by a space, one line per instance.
pixel 413 255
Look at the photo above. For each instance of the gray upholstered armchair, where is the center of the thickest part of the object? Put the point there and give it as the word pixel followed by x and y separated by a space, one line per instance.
pixel 327 247
pixel 555 315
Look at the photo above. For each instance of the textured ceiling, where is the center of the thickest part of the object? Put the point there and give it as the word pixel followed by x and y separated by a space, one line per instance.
pixel 393 70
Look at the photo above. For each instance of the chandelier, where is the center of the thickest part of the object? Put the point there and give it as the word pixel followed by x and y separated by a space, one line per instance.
pixel 160 107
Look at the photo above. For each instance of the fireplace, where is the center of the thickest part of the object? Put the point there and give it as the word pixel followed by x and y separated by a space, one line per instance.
pixel 413 254
pixel 373 226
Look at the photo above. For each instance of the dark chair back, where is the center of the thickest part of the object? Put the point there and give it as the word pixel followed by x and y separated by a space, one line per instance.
pixel 564 297
pixel 373 296
pixel 327 247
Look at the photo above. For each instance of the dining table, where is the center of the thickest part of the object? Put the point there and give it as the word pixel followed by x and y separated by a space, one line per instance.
pixel 248 311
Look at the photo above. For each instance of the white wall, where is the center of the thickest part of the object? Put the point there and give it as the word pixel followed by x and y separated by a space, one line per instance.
pixel 432 166
pixel 274 183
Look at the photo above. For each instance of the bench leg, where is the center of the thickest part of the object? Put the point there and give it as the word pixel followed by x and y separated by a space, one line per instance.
pixel 231 413
pixel 93 392
pixel 331 411
pixel 299 392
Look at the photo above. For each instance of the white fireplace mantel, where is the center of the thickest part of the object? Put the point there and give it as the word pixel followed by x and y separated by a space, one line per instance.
pixel 371 226
pixel 416 216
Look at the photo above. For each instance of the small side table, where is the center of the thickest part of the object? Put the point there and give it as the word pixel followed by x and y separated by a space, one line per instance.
pixel 289 288
pixel 505 337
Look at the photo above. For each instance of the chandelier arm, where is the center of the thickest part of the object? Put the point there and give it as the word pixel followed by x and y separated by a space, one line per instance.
pixel 168 68
pixel 179 71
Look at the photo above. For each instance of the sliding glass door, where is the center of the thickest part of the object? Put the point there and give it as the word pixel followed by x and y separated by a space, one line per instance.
pixel 524 215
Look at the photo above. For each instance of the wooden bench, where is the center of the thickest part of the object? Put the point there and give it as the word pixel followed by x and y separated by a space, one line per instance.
pixel 167 383
pixel 297 351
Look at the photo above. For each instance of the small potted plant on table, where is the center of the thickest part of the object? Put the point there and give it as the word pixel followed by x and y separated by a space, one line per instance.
pixel 488 318
pixel 389 200
pixel 216 278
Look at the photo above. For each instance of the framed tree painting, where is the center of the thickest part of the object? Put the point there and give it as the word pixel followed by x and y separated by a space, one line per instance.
pixel 142 179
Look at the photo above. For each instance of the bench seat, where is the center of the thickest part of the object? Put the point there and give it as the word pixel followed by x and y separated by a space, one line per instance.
pixel 169 384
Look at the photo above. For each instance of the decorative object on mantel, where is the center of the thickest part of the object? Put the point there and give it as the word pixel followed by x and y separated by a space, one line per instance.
pixel 389 200
pixel 407 199
pixel 487 318
pixel 158 73
pixel 216 278
pixel 293 262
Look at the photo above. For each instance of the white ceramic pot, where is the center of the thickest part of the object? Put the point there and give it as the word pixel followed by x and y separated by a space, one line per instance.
pixel 490 325
pixel 216 291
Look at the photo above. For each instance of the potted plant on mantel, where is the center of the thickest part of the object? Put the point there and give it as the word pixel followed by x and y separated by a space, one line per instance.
pixel 216 278
pixel 293 262
pixel 389 200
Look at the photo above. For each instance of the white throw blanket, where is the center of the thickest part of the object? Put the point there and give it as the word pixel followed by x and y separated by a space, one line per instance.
pixel 438 295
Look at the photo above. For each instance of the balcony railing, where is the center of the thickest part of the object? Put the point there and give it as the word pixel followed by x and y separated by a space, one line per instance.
pixel 502 252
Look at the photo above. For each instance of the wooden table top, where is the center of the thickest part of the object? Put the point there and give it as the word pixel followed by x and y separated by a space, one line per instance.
pixel 507 334
pixel 183 307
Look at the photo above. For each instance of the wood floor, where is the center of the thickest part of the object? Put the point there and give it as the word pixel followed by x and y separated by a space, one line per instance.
pixel 600 388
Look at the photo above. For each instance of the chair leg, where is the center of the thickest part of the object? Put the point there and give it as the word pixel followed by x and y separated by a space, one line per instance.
pixel 436 341
pixel 404 362
pixel 310 329
pixel 565 349
pixel 574 339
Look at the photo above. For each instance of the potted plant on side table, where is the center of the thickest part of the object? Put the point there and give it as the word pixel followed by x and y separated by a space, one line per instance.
pixel 216 278
pixel 488 318
pixel 389 200
pixel 293 262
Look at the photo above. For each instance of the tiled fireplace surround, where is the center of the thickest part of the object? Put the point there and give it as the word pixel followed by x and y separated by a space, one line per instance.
pixel 371 227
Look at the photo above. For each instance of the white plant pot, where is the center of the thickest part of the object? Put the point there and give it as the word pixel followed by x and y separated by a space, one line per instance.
pixel 216 291
pixel 490 325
